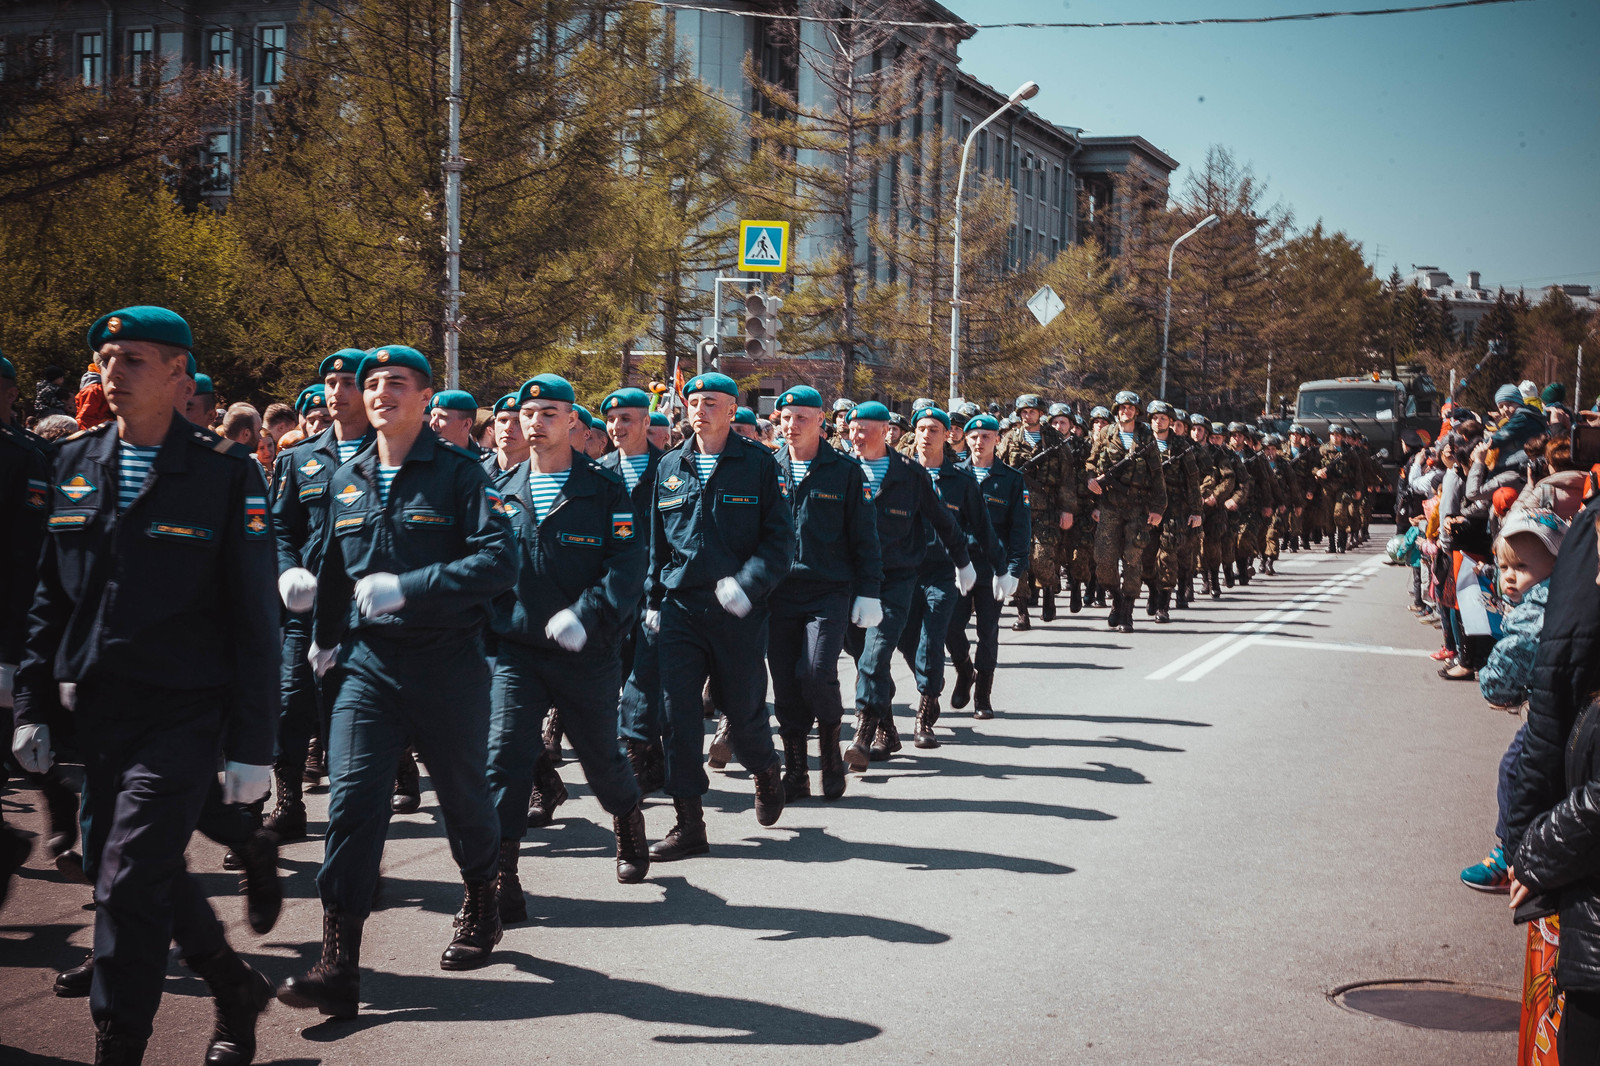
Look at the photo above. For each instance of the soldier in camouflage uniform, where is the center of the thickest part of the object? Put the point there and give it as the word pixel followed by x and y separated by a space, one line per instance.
pixel 1163 556
pixel 1234 503
pixel 1077 544
pixel 1340 476
pixel 1210 475
pixel 1371 483
pixel 1125 469
pixel 1099 418
pixel 1040 453
pixel 1303 457
pixel 1280 525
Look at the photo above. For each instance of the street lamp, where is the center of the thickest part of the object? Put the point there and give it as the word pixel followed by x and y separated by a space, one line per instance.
pixel 1027 91
pixel 1166 326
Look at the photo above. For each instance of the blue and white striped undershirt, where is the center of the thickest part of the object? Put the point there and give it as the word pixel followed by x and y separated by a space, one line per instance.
pixel 799 468
pixel 1127 439
pixel 981 473
pixel 875 470
pixel 632 468
pixel 348 449
pixel 1033 435
pixel 385 479
pixel 133 469
pixel 705 464
pixel 544 488
pixel 1161 443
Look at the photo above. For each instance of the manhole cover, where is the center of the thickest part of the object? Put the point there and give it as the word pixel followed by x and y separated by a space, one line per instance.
pixel 1426 1004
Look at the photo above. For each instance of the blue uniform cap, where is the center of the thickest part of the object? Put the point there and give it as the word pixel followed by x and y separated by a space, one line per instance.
pixel 936 414
pixel 744 417
pixel 711 383
pixel 584 416
pixel 343 361
pixel 203 385
pixel 659 418
pixel 871 411
pixel 546 387
pixel 6 369
pixel 393 355
pixel 983 422
pixel 625 398
pixel 454 400
pixel 141 323
pixel 311 396
pixel 800 396
pixel 508 402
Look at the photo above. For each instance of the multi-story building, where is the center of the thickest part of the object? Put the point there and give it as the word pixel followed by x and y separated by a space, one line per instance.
pixel 1470 302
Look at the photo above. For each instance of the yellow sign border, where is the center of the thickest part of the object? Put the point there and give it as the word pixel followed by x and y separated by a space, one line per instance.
pixel 783 253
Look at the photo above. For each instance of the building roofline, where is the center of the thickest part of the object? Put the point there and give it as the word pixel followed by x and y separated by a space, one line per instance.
pixel 1136 142
pixel 967 81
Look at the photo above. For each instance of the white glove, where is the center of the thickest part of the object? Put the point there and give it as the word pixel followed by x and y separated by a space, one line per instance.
pixel 966 577
pixel 866 612
pixel 1005 586
pixel 243 783
pixel 652 621
pixel 321 660
pixel 732 597
pixel 67 692
pixel 297 587
pixel 566 630
pixel 8 681
pixel 379 594
pixel 31 745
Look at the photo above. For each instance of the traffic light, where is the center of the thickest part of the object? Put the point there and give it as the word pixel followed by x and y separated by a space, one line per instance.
pixel 708 355
pixel 761 325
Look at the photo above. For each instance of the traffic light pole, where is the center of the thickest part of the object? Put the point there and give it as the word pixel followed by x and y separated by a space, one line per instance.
pixel 716 317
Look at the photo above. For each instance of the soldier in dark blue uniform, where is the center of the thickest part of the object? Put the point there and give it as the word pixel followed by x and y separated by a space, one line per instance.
pixel 1005 493
pixel 510 446
pixel 418 547
pixel 451 414
pixel 660 434
pixel 301 499
pixel 163 679
pixel 833 583
pixel 940 583
pixel 577 595
pixel 907 507
pixel 721 538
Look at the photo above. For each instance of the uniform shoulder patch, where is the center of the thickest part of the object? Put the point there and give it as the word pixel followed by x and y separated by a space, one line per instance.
pixel 622 525
pixel 38 494
pixel 497 502
pixel 77 488
pixel 350 494
pixel 255 516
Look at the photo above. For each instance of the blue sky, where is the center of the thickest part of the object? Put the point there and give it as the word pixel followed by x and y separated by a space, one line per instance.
pixel 1463 139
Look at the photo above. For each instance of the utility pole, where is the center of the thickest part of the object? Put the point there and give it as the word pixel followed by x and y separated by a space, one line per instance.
pixel 453 166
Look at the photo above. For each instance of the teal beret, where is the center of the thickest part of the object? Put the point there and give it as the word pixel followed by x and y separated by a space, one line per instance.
pixel 393 355
pixel 744 417
pixel 6 369
pixel 454 400
pixel 983 422
pixel 625 398
pixel 936 414
pixel 659 418
pixel 141 323
pixel 711 383
pixel 343 361
pixel 800 396
pixel 871 411
pixel 191 368
pixel 546 387
pixel 508 402
pixel 586 418
pixel 203 385
pixel 311 396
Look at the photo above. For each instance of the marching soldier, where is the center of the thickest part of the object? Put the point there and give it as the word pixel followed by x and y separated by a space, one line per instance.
pixel 1062 419
pixel 510 446
pixel 1040 453
pixel 177 678
pixel 579 580
pixel 834 583
pixel 451 415
pixel 1125 469
pixel 1164 555
pixel 418 548
pixel 1303 459
pixel 1340 476
pixel 660 432
pixel 1198 546
pixel 1005 493
pixel 1280 525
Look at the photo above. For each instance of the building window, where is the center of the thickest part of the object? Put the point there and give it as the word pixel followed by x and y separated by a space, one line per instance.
pixel 1055 186
pixel 1027 175
pixel 92 59
pixel 219 50
pixel 966 129
pixel 1000 157
pixel 983 151
pixel 219 163
pixel 1016 157
pixel 272 48
pixel 1055 247
pixel 141 53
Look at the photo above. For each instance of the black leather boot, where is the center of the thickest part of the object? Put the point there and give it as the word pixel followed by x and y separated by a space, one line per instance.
pixel 639 760
pixel 1074 597
pixel 75 983
pixel 14 851
pixel 61 807
pixel 241 994
pixel 721 745
pixel 961 691
pixel 111 1049
pixel 1124 612
pixel 887 742
pixel 1047 611
pixel 1151 599
pixel 407 798
pixel 633 847
pixel 769 794
pixel 796 774
pixel 316 766
pixel 981 706
pixel 1114 619
pixel 549 792
pixel 1162 599
pixel 263 892
pixel 927 714
pixel 333 985
pixel 508 896
pixel 830 760
pixel 859 753
pixel 687 837
pixel 287 822
pixel 1021 625
pixel 552 736
pixel 477 928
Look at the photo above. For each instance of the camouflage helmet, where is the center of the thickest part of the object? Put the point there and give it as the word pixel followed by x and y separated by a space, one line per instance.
pixel 1181 415
pixel 1272 440
pixel 1161 407
pixel 1218 429
pixel 1126 396
pixel 1297 428
pixel 1080 421
pixel 898 419
pixel 1027 400
pixel 1236 427
pixel 842 405
pixel 967 411
pixel 1335 428
pixel 1198 419
pixel 1100 412
pixel 920 402
pixel 1059 409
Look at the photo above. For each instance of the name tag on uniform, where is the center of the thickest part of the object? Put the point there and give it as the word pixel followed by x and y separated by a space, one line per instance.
pixel 311 492
pixel 61 523
pixel 825 496
pixel 993 499
pixel 582 540
pixel 349 523
pixel 730 498
pixel 429 518
pixel 179 532
pixel 667 503
pixel 899 513
pixel 952 507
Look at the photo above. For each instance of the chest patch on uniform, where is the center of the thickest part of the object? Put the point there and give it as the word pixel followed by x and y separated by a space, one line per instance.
pixel 666 503
pixel 349 522
pixel 899 513
pixel 826 496
pixel 38 494
pixel 180 532
pixel 349 495
pixel 312 467
pixel 673 483
pixel 77 488
pixel 622 526
pixel 582 540
pixel 255 515
pixel 995 499
pixel 513 508
pixel 497 502
pixel 67 521
pixel 730 498
pixel 953 507
pixel 311 492
pixel 433 518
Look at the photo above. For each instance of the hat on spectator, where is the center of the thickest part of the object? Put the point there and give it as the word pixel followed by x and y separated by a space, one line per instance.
pixel 1539 522
pixel 1555 392
pixel 1507 394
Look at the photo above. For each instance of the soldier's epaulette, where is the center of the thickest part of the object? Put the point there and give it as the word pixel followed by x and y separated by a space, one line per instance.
pixel 605 473
pixel 100 428
pixel 221 445
pixel 458 450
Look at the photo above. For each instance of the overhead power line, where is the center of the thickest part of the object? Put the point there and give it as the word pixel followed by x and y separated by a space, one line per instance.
pixel 1304 16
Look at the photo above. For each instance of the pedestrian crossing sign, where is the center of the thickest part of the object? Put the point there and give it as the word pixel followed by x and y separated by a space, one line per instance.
pixel 764 246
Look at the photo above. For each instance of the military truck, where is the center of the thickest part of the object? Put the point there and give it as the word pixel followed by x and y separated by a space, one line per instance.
pixel 1384 406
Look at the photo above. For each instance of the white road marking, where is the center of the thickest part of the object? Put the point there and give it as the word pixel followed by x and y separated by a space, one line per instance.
pixel 1334 645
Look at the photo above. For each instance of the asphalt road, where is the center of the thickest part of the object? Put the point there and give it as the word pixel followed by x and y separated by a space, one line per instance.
pixel 1168 847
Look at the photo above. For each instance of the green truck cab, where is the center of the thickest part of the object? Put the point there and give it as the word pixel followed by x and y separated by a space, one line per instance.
pixel 1383 405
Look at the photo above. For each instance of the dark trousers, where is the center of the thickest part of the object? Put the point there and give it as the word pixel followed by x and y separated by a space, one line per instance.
pixel 805 635
pixel 927 627
pixel 700 641
pixel 150 760
pixel 435 698
pixel 581 687
pixel 302 716
pixel 640 705
pixel 1502 792
pixel 873 649
pixel 1578 1042
pixel 981 602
